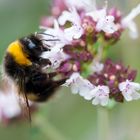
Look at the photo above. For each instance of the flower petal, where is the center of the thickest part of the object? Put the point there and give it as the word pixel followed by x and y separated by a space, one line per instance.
pixel 97 67
pixel 95 101
pixel 136 96
pixel 128 22
pixel 87 5
pixel 127 96
pixel 104 101
pixel 129 90
pixel 74 88
pixel 74 32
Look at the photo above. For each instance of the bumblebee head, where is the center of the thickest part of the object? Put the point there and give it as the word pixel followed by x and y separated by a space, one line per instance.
pixel 32 46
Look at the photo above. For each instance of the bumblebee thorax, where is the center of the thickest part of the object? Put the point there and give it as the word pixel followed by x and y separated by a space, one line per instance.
pixel 15 49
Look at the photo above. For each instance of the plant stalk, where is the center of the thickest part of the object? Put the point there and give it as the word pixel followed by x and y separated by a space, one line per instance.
pixel 103 128
pixel 47 129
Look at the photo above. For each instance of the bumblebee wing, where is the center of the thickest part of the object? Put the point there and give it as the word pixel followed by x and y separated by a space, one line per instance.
pixel 23 100
pixel 24 104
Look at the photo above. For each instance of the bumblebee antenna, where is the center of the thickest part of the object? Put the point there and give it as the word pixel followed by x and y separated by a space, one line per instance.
pixel 53 39
pixel 44 34
pixel 50 40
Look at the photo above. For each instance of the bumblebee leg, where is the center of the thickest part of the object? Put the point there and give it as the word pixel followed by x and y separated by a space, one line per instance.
pixel 44 62
pixel 41 85
pixel 50 89
pixel 38 78
pixel 60 82
pixel 52 74
pixel 42 76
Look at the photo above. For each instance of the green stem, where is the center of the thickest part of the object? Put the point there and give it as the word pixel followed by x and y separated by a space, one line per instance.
pixel 103 129
pixel 98 57
pixel 48 129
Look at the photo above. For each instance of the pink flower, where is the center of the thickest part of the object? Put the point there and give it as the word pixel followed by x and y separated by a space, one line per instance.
pixel 86 5
pixel 47 21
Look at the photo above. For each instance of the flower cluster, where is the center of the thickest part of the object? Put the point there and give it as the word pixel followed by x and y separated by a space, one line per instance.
pixel 113 75
pixel 80 33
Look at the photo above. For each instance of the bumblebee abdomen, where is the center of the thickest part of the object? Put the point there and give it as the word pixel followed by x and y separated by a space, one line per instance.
pixel 30 80
pixel 11 68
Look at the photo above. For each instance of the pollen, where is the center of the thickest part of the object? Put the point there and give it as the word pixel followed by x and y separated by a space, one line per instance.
pixel 15 49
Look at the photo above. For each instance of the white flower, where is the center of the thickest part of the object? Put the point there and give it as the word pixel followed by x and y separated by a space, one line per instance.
pixel 130 90
pixel 97 67
pixel 87 5
pixel 100 95
pixel 76 30
pixel 97 14
pixel 104 22
pixel 128 22
pixel 83 87
pixel 57 36
pixel 9 105
pixel 56 56
pixel 79 85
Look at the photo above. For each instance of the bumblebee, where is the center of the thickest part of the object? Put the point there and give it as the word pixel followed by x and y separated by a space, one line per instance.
pixel 24 66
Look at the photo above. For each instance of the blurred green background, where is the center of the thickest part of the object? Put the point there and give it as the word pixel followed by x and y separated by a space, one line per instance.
pixel 67 116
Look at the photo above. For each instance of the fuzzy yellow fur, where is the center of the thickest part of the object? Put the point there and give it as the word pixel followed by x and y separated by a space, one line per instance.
pixel 15 49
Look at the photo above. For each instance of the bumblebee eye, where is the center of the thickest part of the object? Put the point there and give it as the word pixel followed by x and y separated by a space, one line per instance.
pixel 30 43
